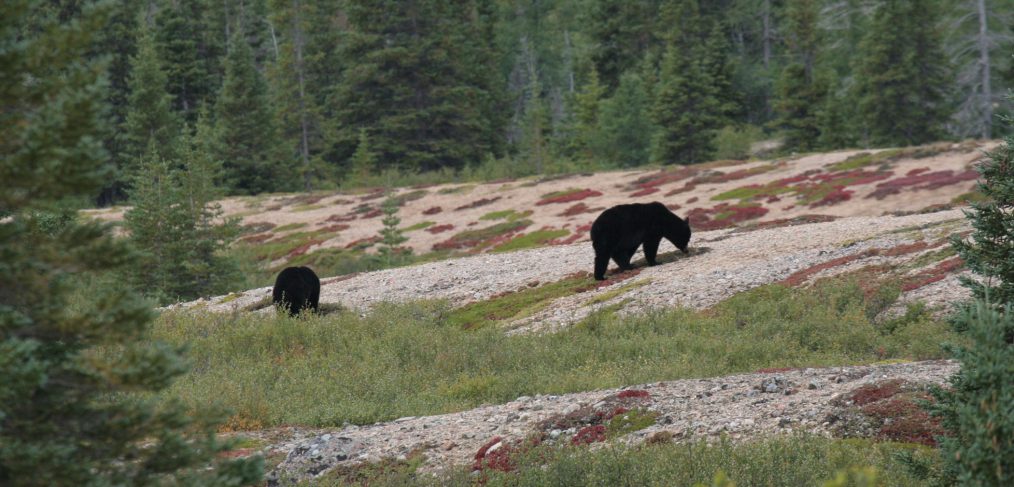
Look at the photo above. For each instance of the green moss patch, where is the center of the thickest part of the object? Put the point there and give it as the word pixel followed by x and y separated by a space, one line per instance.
pixel 518 304
pixel 289 226
pixel 530 240
pixel 613 293
pixel 509 215
pixel 418 226
pixel 483 237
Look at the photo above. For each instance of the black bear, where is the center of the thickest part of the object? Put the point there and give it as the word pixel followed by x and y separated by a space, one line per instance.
pixel 296 288
pixel 618 231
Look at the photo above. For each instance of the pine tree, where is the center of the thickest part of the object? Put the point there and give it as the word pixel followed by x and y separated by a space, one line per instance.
pixel 247 127
pixel 690 98
pixel 117 41
pixel 903 79
pixel 364 162
pixel 978 409
pixel 150 120
pixel 176 225
pixel 187 55
pixel 801 89
pixel 300 120
pixel 625 126
pixel 990 252
pixel 624 31
pixel 390 236
pixel 411 81
pixel 76 403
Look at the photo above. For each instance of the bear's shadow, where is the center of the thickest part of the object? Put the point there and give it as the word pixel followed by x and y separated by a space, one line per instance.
pixel 669 257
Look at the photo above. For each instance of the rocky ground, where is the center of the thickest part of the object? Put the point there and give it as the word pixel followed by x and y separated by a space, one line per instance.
pixel 826 401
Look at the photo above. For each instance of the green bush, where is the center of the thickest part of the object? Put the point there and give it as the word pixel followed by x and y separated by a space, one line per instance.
pixel 734 142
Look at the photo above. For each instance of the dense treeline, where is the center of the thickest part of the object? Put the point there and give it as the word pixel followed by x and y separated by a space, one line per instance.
pixel 293 90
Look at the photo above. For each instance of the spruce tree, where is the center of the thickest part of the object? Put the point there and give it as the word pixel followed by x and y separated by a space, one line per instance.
pixel 302 127
pixel 390 236
pixel 691 95
pixel 363 163
pixel 246 125
pixel 178 228
pixel 801 88
pixel 150 121
pixel 117 41
pixel 625 126
pixel 187 55
pixel 79 398
pixel 902 75
pixel 623 31
pixel 990 251
pixel 978 409
pixel 412 80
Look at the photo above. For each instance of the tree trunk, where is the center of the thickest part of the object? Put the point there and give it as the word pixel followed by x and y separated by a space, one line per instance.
pixel 987 91
pixel 766 18
pixel 304 143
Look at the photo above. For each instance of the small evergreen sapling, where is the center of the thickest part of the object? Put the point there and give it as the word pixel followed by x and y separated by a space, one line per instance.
pixel 391 235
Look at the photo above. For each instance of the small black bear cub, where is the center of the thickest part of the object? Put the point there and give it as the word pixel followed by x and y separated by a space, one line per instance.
pixel 618 231
pixel 296 288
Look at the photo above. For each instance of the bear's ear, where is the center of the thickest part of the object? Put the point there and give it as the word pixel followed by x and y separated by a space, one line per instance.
pixel 688 220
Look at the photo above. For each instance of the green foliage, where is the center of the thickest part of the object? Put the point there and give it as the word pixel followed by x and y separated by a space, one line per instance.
pixel 530 240
pixel 150 120
pixel 176 226
pixel 990 252
pixel 405 360
pixel 690 101
pixel 300 117
pixel 801 88
pixel 248 141
pixel 781 461
pixel 626 128
pixel 419 78
pixel 186 45
pixel 76 405
pixel 978 408
pixel 364 161
pixel 902 76
pixel 735 142
pixel 391 236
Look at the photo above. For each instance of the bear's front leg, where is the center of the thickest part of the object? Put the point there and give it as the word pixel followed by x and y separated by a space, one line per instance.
pixel 651 249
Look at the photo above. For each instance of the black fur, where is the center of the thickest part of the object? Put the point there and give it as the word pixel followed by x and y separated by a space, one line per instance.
pixel 296 288
pixel 618 231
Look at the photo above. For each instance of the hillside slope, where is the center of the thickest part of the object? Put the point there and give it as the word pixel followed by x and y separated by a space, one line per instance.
pixel 460 219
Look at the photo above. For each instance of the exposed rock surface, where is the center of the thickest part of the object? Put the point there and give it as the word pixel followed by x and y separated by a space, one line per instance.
pixel 740 406
pixel 721 263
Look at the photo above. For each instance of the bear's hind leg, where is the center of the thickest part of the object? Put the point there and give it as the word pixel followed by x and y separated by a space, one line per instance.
pixel 601 264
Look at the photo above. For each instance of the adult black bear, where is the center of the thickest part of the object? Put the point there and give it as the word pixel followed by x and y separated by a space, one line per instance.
pixel 296 288
pixel 618 231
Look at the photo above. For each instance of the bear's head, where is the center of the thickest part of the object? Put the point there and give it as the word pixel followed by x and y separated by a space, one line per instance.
pixel 679 234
